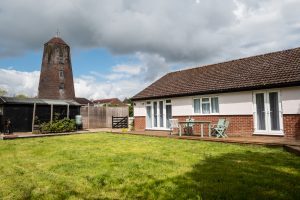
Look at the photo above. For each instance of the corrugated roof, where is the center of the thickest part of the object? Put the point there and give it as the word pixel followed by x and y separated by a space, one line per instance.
pixel 278 69
pixel 13 100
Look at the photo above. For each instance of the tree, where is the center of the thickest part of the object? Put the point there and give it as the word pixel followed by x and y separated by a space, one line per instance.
pixel 21 96
pixel 3 92
pixel 130 104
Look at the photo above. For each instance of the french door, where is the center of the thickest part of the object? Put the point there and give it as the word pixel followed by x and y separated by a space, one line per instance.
pixel 158 114
pixel 268 113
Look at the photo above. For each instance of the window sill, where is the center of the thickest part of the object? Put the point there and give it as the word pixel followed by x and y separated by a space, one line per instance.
pixel 269 134
pixel 200 114
pixel 157 129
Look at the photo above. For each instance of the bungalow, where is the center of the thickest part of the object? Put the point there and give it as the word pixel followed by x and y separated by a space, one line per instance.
pixel 259 95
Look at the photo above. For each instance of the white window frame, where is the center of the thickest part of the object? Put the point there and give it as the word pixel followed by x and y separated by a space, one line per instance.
pixel 267 104
pixel 210 106
pixel 151 103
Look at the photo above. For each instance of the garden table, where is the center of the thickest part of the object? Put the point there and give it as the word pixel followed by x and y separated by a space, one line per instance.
pixel 189 123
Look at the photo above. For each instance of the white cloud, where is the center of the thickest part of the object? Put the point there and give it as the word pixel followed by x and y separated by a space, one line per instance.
pixel 88 86
pixel 97 90
pixel 127 69
pixel 176 30
pixel 17 82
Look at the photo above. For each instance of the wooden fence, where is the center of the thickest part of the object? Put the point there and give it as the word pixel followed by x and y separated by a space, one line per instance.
pixel 101 117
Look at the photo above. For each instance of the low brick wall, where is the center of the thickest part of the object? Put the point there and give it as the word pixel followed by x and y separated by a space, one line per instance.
pixel 139 123
pixel 240 125
pixel 291 125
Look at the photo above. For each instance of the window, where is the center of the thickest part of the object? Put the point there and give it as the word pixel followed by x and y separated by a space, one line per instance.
pixel 60 60
pixel 61 86
pixel 61 74
pixel 206 105
pixel 168 101
pixel 196 105
pixel 214 105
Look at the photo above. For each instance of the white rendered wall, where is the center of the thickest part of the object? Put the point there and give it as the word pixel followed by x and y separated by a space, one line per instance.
pixel 290 100
pixel 139 109
pixel 237 103
pixel 182 106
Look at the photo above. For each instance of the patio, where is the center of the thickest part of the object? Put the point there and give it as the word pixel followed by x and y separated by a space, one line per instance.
pixel 257 140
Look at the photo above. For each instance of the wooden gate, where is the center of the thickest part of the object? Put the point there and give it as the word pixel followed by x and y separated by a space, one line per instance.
pixel 119 122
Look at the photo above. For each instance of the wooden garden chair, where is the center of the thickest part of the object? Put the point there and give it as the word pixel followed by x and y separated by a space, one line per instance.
pixel 220 131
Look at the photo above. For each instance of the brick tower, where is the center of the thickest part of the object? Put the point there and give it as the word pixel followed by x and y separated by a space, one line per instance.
pixel 56 78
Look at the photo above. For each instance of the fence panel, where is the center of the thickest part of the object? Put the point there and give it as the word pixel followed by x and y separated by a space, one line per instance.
pixel 101 117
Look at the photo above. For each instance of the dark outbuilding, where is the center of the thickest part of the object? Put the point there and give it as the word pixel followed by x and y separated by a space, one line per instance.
pixel 23 112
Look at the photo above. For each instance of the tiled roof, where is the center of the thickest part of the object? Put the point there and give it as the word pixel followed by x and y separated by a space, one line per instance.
pixel 278 69
pixel 112 100
pixel 56 40
pixel 83 101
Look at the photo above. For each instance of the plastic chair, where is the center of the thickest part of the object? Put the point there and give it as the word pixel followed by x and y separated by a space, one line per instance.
pixel 173 124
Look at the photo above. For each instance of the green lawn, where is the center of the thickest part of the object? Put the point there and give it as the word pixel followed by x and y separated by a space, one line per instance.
pixel 110 166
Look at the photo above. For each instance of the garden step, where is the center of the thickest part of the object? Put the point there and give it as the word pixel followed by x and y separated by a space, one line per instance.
pixel 293 149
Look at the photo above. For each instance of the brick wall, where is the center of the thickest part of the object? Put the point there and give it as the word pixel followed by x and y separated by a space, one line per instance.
pixel 291 124
pixel 139 123
pixel 240 125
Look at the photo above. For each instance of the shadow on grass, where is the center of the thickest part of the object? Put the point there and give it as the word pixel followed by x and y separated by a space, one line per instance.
pixel 230 176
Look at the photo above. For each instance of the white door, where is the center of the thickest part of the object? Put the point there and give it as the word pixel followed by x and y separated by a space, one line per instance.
pixel 149 117
pixel 158 114
pixel 268 115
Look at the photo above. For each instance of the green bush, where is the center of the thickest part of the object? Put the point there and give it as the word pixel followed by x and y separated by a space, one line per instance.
pixel 58 126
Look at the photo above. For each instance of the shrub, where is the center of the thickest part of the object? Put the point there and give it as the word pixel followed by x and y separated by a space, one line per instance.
pixel 58 126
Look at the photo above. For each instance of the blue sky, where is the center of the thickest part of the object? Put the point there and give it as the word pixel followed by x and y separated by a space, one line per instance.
pixel 119 47
pixel 83 60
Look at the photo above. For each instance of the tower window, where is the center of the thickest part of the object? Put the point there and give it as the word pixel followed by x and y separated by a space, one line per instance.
pixel 61 86
pixel 61 74
pixel 60 60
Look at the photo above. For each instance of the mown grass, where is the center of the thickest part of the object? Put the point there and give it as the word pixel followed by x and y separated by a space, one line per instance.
pixel 108 166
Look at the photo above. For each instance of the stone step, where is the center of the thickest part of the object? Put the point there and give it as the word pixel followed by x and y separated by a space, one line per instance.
pixel 293 149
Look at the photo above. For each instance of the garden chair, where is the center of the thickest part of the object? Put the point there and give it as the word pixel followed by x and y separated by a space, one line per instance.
pixel 221 130
pixel 173 124
pixel 220 123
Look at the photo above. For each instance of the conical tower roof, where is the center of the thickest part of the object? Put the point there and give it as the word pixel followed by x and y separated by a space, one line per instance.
pixel 56 40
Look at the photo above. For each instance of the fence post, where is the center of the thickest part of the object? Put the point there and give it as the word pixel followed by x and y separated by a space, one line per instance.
pixel 88 112
pixel 33 116
pixel 51 118
pixel 68 111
